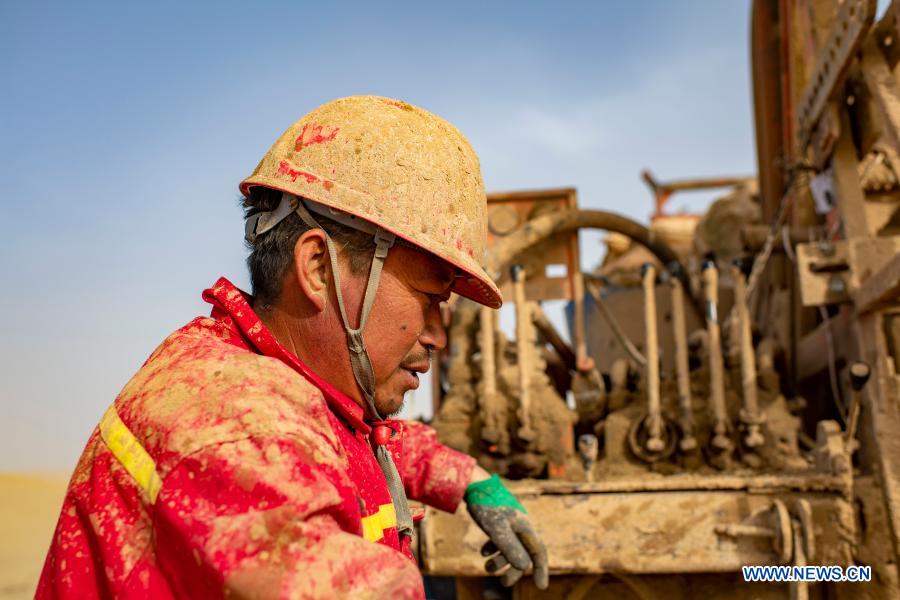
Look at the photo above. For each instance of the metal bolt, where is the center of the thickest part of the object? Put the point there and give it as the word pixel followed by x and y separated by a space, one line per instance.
pixel 742 530
pixel 754 438
pixel 655 445
pixel 588 448
pixel 827 248
pixel 836 284
pixel 687 443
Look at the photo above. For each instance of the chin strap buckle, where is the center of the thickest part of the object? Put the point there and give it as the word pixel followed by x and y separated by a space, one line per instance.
pixel 384 241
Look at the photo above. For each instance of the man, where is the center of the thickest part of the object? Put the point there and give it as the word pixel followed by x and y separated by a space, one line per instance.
pixel 251 455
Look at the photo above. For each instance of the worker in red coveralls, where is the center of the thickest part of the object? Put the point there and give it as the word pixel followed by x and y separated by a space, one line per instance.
pixel 252 455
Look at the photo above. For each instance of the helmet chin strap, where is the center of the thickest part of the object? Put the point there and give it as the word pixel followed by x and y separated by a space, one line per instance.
pixel 359 356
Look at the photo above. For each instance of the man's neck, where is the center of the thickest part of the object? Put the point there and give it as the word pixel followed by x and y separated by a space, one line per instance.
pixel 304 333
pixel 283 326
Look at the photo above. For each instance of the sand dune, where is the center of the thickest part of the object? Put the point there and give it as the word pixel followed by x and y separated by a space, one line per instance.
pixel 29 507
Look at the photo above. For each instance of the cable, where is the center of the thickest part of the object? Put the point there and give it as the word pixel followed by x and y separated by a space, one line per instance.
pixel 832 366
pixel 786 242
pixel 630 348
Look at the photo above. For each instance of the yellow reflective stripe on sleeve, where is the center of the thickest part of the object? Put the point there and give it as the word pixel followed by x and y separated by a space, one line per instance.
pixel 375 524
pixel 125 447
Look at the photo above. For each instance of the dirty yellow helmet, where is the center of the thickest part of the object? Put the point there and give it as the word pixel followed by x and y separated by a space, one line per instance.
pixel 399 168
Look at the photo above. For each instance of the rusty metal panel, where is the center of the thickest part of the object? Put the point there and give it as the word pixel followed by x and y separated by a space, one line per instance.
pixel 769 103
pixel 642 533
pixel 552 265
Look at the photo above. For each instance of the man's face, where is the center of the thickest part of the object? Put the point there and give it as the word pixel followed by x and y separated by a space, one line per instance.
pixel 405 325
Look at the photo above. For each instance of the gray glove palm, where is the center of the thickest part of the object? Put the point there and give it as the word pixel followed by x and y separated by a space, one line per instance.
pixel 513 542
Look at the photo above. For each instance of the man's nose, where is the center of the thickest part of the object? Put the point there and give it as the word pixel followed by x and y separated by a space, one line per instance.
pixel 434 336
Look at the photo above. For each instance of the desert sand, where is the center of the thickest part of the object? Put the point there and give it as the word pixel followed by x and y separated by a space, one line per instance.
pixel 29 507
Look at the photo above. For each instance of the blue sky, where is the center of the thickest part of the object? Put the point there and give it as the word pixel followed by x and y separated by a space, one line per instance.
pixel 125 129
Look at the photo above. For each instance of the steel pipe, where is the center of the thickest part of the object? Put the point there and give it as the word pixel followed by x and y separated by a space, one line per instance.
pixel 720 440
pixel 686 422
pixel 750 415
pixel 655 442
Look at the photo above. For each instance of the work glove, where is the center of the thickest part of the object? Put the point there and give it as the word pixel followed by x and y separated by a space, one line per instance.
pixel 512 542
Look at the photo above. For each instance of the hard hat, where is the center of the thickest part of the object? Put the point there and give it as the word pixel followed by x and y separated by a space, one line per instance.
pixel 396 166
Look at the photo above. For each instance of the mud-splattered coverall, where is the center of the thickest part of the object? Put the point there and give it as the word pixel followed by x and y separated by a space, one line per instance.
pixel 226 467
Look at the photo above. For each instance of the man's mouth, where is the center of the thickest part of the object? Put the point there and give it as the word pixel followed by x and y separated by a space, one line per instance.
pixel 413 370
pixel 413 377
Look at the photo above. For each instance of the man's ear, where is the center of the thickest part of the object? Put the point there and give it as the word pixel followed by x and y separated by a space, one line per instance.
pixel 311 267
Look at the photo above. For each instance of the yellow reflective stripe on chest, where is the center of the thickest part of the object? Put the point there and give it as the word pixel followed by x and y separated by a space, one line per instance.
pixel 375 524
pixel 129 452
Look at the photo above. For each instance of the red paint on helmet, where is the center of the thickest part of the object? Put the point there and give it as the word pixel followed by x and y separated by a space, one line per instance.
pixel 285 168
pixel 315 134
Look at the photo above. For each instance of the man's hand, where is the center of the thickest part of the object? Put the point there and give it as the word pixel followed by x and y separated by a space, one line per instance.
pixel 513 544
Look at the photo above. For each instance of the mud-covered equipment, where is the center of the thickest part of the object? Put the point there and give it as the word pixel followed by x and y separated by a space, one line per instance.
pixel 397 167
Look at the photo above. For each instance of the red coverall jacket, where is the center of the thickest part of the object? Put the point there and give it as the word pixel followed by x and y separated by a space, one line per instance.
pixel 226 466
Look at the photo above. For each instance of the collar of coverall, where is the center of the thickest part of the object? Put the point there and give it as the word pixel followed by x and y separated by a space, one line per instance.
pixel 229 301
pixel 360 364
